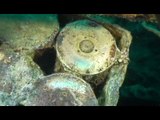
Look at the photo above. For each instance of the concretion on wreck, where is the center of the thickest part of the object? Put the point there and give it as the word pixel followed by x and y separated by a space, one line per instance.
pixel 28 31
pixel 17 74
pixel 61 89
pixel 86 47
pixel 116 75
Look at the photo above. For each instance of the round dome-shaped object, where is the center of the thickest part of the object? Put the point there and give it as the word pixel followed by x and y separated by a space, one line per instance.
pixel 61 89
pixel 86 47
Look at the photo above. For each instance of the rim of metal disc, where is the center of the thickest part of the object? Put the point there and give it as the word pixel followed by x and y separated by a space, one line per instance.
pixel 66 76
pixel 68 66
pixel 70 81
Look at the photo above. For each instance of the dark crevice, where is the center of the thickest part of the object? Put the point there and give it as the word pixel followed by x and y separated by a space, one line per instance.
pixel 19 104
pixel 2 40
pixel 63 20
pixel 98 89
pixel 45 58
pixel 55 39
pixel 68 18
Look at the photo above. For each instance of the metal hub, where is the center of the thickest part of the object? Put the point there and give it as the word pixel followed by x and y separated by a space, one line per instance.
pixel 86 46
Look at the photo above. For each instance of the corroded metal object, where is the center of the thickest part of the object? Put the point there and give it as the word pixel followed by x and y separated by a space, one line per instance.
pixel 86 47
pixel 77 53
pixel 61 89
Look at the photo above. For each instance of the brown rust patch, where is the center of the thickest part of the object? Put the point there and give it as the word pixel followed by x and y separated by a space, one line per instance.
pixel 113 51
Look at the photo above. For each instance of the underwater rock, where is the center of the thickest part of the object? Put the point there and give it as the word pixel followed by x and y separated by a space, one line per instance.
pixel 116 75
pixel 28 31
pixel 17 74
pixel 61 89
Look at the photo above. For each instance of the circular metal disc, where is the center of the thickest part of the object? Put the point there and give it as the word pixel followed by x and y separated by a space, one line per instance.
pixel 62 89
pixel 86 47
